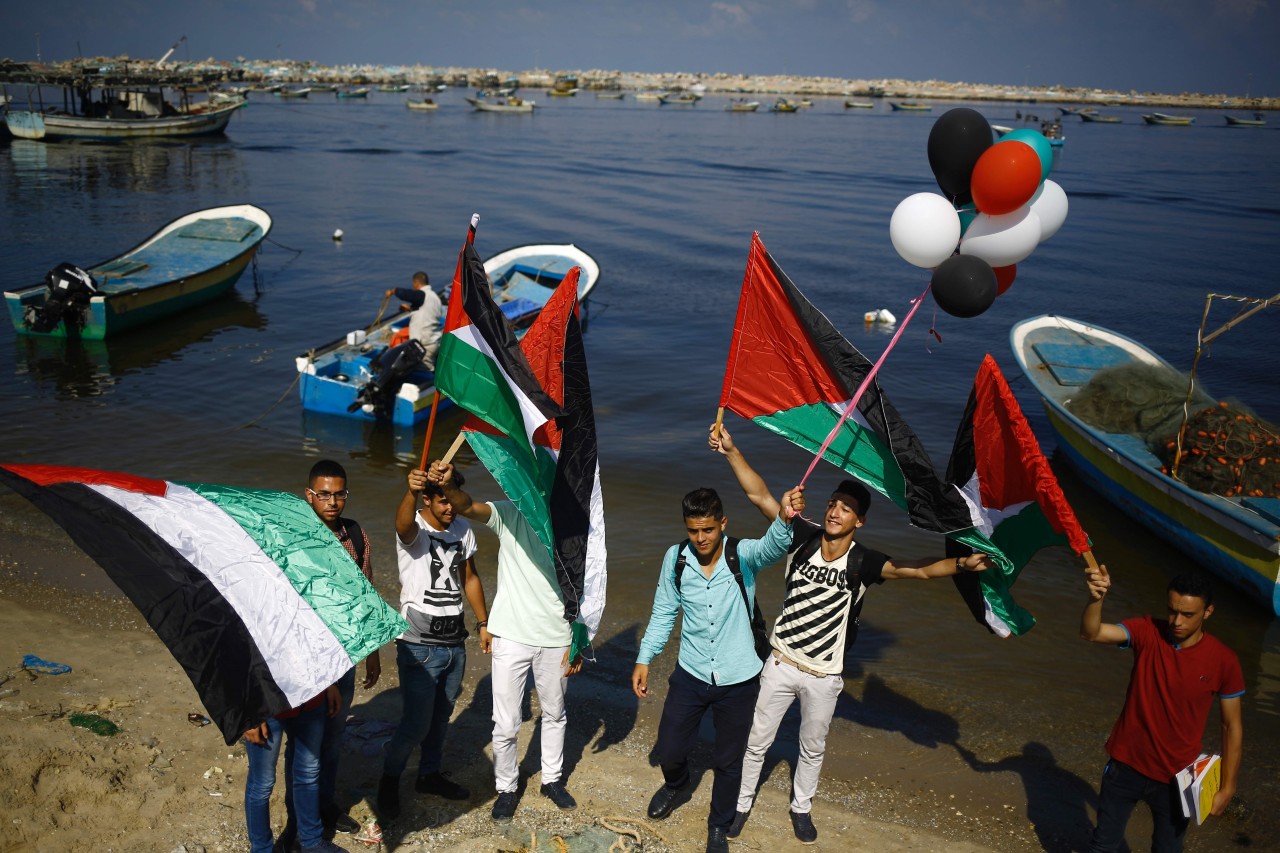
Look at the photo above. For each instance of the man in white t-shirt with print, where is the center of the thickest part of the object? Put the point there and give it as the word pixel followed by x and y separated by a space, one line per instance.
pixel 530 635
pixel 826 577
pixel 434 554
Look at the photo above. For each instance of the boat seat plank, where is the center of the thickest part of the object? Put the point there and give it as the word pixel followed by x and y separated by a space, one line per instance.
pixel 557 268
pixel 119 268
pixel 520 286
pixel 1268 508
pixel 1073 364
pixel 231 230
pixel 514 309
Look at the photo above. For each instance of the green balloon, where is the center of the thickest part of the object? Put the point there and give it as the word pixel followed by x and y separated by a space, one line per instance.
pixel 1038 143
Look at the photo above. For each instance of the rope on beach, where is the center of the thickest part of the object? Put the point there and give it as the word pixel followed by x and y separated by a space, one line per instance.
pixel 606 822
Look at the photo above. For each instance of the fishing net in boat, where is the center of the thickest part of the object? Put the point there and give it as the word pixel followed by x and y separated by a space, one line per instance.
pixel 1228 450
pixel 1144 400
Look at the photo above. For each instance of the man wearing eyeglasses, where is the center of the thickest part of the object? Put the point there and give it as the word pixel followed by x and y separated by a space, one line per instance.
pixel 327 495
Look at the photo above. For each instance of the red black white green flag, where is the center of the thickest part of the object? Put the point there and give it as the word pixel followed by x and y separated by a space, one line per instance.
pixel 1015 502
pixel 253 595
pixel 793 373
pixel 557 489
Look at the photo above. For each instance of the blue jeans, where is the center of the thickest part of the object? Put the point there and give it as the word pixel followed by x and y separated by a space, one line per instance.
pixel 430 681
pixel 1122 789
pixel 305 733
pixel 330 751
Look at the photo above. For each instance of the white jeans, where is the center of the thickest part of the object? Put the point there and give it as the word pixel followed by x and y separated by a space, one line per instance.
pixel 780 684
pixel 512 663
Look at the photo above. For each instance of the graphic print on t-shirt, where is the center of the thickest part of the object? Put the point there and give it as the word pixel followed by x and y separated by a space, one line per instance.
pixel 814 614
pixel 431 571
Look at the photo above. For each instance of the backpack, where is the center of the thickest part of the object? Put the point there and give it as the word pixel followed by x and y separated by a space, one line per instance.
pixel 758 634
pixel 808 547
pixel 358 541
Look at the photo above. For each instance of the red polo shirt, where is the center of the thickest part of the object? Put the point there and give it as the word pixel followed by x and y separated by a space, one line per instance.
pixel 1170 693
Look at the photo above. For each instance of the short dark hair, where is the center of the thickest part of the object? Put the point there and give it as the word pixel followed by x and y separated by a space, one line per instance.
pixel 433 490
pixel 1194 583
pixel 702 503
pixel 860 493
pixel 422 277
pixel 326 468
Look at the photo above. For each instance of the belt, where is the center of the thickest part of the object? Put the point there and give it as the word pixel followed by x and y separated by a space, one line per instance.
pixel 779 657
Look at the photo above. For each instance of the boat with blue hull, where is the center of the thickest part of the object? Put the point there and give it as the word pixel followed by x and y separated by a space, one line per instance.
pixel 353 376
pixel 195 258
pixel 1237 537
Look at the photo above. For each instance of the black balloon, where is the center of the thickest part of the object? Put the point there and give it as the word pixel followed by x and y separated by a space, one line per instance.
pixel 964 285
pixel 956 141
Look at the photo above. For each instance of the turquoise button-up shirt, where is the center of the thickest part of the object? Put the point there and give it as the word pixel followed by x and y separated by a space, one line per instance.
pixel 716 644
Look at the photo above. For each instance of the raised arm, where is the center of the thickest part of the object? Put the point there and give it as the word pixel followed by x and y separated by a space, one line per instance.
pixel 441 473
pixel 752 484
pixel 929 567
pixel 406 523
pixel 1092 628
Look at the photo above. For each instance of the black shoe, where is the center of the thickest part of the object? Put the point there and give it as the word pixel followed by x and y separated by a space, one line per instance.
pixel 504 808
pixel 739 821
pixel 805 831
pixel 288 841
pixel 336 820
pixel 664 802
pixel 389 798
pixel 716 840
pixel 437 784
pixel 556 793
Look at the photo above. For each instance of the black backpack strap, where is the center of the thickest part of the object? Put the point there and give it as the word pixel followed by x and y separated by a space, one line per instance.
pixel 358 540
pixel 680 563
pixel 731 560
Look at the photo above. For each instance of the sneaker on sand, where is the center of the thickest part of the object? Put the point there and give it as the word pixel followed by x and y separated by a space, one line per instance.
pixel 739 821
pixel 716 840
pixel 336 820
pixel 556 793
pixel 441 786
pixel 805 831
pixel 504 808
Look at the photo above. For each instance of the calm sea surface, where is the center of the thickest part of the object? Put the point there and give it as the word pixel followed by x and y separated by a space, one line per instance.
pixel 666 200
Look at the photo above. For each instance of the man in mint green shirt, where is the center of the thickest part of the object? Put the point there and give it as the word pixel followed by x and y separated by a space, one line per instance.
pixel 530 635
pixel 718 668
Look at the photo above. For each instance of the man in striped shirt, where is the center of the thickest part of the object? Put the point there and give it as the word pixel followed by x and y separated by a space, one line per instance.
pixel 826 577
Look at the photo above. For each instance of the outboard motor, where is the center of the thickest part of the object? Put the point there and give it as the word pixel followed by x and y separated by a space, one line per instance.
pixel 70 289
pixel 389 372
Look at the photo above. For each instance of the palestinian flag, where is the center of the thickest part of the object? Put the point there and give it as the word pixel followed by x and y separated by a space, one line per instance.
pixel 558 490
pixel 253 595
pixel 1015 502
pixel 793 373
pixel 480 366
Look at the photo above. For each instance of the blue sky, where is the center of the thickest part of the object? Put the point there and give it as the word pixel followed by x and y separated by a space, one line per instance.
pixel 1170 46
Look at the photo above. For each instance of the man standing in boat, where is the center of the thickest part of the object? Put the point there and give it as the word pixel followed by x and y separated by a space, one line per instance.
pixel 1177 670
pixel 712 579
pixel 828 573
pixel 425 322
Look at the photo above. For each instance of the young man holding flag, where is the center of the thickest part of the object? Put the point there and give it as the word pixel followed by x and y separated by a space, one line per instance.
pixel 530 635
pixel 827 575
pixel 712 579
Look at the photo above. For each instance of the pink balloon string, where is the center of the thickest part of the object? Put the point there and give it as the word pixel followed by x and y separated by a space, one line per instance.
pixel 866 381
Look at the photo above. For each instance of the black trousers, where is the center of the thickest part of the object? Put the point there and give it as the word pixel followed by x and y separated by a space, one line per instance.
pixel 732 707
pixel 1122 789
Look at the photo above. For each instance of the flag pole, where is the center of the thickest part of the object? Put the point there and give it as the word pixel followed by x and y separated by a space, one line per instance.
pixel 435 396
pixel 455 447
pixel 719 420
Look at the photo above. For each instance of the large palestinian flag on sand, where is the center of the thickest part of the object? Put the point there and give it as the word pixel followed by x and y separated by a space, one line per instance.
pixel 480 366
pixel 253 595
pixel 1014 498
pixel 793 373
pixel 558 490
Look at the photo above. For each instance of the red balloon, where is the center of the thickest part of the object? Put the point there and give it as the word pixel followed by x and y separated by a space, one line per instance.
pixel 1005 177
pixel 1004 278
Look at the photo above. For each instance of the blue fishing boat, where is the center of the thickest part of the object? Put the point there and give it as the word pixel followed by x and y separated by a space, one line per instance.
pixel 191 260
pixel 1236 536
pixel 361 375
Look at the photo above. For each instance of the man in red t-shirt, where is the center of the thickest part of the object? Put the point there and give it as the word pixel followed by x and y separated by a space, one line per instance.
pixel 1177 670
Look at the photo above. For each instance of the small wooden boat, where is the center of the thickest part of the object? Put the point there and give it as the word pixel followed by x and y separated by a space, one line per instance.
pixel 805 102
pixel 684 99
pixel 1256 121
pixel 323 87
pixel 1101 119
pixel 362 92
pixel 741 105
pixel 292 93
pixel 911 106
pixel 782 105
pixel 562 93
pixel 610 96
pixel 1238 538
pixel 649 96
pixel 191 260
pixel 425 105
pixel 336 378
pixel 1176 121
pixel 511 104
pixel 394 87
pixel 859 105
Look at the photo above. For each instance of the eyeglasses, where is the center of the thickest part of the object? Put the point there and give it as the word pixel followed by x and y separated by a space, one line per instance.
pixel 325 497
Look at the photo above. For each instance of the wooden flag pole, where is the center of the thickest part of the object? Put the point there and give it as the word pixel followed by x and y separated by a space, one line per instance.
pixel 455 447
pixel 1090 560
pixel 719 420
pixel 431 425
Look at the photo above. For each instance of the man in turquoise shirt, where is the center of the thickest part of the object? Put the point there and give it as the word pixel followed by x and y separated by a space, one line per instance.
pixel 718 668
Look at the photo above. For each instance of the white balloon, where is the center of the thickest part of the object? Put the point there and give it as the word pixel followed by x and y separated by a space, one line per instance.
pixel 1003 240
pixel 1050 204
pixel 924 229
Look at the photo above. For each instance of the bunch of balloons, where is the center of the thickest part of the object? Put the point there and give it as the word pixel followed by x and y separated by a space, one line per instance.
pixel 997 206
